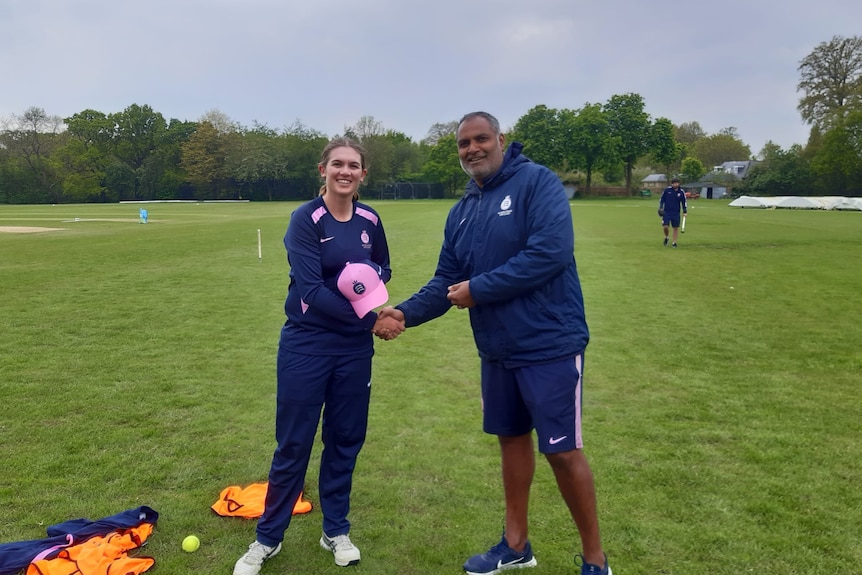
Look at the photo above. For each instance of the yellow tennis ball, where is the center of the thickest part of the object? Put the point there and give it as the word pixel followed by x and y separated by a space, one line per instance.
pixel 191 543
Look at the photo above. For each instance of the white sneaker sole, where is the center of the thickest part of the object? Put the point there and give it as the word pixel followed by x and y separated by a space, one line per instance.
pixel 242 568
pixel 342 563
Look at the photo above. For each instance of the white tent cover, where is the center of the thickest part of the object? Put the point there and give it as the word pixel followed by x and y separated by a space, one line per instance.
pixel 799 202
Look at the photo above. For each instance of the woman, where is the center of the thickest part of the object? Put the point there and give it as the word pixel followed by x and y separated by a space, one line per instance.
pixel 339 261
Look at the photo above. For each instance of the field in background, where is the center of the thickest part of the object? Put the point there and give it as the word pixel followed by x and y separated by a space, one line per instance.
pixel 722 390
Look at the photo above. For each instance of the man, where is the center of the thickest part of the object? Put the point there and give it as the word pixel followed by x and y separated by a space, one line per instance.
pixel 672 200
pixel 507 257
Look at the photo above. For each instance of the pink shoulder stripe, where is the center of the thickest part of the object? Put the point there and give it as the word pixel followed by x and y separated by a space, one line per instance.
pixel 317 214
pixel 370 216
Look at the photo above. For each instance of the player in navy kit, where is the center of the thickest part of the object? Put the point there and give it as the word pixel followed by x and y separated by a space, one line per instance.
pixel 671 202
pixel 339 263
pixel 507 256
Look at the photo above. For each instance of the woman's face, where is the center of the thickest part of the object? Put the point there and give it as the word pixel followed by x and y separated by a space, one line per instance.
pixel 343 171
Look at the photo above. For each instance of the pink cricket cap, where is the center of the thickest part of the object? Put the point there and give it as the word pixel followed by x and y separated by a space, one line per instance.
pixel 361 285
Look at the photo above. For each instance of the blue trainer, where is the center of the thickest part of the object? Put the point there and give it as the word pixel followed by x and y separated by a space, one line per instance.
pixel 499 558
pixel 590 569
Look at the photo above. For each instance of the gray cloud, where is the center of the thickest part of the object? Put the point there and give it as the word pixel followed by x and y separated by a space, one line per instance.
pixel 411 64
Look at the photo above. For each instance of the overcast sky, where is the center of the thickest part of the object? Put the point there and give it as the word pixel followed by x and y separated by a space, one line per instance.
pixel 411 64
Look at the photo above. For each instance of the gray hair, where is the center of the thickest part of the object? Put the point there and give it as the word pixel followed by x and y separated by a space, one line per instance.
pixel 495 124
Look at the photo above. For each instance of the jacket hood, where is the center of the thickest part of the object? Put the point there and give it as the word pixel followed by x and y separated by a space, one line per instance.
pixel 513 159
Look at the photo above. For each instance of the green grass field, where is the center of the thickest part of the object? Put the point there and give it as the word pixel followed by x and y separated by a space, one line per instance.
pixel 722 395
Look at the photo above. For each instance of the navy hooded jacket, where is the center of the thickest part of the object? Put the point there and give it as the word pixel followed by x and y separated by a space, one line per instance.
pixel 513 239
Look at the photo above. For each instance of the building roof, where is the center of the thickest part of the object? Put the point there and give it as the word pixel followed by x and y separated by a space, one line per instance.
pixel 737 168
pixel 654 178
pixel 727 174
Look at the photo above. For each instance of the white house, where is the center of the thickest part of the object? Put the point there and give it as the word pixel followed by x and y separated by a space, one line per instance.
pixel 718 183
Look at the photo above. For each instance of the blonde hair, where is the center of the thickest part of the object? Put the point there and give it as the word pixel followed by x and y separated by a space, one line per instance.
pixel 342 142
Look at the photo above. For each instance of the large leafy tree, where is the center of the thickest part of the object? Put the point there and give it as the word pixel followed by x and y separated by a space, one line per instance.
pixel 780 173
pixel 443 166
pixel 204 159
pixel 171 183
pixel 663 146
pixel 838 160
pixel 364 128
pixel 725 146
pixel 31 140
pixel 406 156
pixel 6 184
pixel 302 146
pixel 438 130
pixel 93 128
pixel 630 124
pixel 381 152
pixel 138 133
pixel 831 81
pixel 132 154
pixel 539 131
pixel 87 155
pixel 372 135
pixel 688 133
pixel 209 156
pixel 254 159
pixel 692 169
pixel 392 156
pixel 587 142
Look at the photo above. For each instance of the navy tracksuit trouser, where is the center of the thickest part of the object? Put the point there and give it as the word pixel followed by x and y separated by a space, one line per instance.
pixel 341 388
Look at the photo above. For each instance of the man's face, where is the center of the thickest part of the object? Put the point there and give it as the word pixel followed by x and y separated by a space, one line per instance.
pixel 675 185
pixel 480 150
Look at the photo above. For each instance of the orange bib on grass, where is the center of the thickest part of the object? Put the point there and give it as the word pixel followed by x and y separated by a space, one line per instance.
pixel 234 501
pixel 106 555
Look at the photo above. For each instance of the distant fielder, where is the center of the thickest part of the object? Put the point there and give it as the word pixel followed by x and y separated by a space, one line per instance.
pixel 670 205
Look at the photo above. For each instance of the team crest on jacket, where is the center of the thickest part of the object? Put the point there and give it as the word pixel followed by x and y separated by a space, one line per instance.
pixel 504 206
pixel 366 240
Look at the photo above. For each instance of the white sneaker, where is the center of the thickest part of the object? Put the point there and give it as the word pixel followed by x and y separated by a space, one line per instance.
pixel 346 553
pixel 254 558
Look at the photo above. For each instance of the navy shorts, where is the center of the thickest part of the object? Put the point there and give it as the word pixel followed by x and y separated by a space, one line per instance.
pixel 670 220
pixel 545 397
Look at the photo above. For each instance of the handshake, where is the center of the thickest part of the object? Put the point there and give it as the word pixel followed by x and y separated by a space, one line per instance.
pixel 389 324
pixel 390 321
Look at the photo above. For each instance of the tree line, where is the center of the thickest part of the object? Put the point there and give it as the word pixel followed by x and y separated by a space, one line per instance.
pixel 137 154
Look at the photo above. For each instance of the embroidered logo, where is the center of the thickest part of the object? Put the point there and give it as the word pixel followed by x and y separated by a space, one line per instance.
pixel 505 206
pixel 366 239
pixel 556 440
pixel 358 287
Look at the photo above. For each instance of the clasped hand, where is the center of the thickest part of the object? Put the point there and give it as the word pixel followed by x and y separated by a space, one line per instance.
pixel 460 296
pixel 389 324
pixel 390 321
